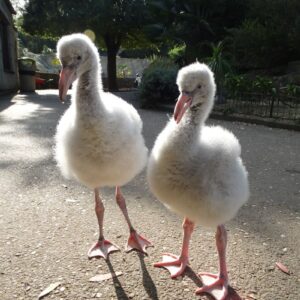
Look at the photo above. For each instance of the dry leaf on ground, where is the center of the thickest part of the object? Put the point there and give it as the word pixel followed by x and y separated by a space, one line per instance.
pixel 283 268
pixel 49 289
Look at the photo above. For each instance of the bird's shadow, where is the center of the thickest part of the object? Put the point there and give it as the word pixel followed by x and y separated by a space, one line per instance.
pixel 121 294
pixel 150 286
pixel 193 276
pixel 232 294
pixel 148 283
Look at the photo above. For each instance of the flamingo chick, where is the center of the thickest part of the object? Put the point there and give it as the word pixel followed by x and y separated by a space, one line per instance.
pixel 197 172
pixel 98 139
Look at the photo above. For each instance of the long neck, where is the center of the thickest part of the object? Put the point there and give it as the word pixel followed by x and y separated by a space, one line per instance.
pixel 87 92
pixel 188 130
pixel 89 83
pixel 86 100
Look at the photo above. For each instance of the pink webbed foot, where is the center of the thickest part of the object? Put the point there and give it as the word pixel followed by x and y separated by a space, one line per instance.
pixel 214 285
pixel 173 263
pixel 138 242
pixel 102 248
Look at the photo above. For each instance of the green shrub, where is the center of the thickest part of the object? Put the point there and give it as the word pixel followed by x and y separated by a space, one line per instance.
pixel 177 55
pixel 290 90
pixel 123 71
pixel 241 84
pixel 36 44
pixel 158 84
pixel 252 45
pixel 263 85
pixel 236 84
pixel 268 36
pixel 219 63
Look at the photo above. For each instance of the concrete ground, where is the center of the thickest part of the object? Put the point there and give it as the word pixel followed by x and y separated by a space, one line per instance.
pixel 47 223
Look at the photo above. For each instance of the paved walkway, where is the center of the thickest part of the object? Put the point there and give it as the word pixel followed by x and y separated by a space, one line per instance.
pixel 47 223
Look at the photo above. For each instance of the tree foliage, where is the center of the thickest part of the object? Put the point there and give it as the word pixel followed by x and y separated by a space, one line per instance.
pixel 196 23
pixel 158 84
pixel 269 35
pixel 257 33
pixel 220 65
pixel 261 33
pixel 114 22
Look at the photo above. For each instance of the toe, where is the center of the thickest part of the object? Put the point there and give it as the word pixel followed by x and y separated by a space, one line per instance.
pixel 179 271
pixel 174 264
pixel 102 249
pixel 213 285
pixel 137 242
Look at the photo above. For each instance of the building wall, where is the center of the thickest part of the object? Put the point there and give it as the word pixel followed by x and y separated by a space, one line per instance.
pixel 9 77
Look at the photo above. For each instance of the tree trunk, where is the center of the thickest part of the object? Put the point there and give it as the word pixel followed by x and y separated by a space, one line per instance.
pixel 112 69
pixel 112 46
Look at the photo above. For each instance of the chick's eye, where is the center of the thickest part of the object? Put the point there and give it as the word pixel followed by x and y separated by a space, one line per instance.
pixel 78 57
pixel 199 86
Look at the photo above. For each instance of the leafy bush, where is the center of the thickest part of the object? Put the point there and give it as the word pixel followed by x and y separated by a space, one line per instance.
pixel 240 84
pixel 268 36
pixel 291 90
pixel 221 66
pixel 123 71
pixel 263 85
pixel 235 84
pixel 36 44
pixel 177 55
pixel 158 84
pixel 219 62
pixel 47 50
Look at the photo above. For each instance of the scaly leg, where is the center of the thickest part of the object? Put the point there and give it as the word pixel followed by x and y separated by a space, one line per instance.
pixel 174 264
pixel 135 240
pixel 217 285
pixel 102 247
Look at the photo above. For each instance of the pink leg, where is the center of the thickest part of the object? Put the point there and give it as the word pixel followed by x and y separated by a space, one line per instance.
pixel 174 264
pixel 102 247
pixel 135 241
pixel 217 285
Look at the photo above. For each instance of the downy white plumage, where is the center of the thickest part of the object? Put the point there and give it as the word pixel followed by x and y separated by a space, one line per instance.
pixel 197 172
pixel 98 139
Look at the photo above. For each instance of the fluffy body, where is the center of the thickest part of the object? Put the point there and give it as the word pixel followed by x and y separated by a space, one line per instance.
pixel 196 170
pixel 206 182
pixel 98 140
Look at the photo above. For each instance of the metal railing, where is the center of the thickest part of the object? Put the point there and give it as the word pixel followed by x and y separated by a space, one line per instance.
pixel 261 105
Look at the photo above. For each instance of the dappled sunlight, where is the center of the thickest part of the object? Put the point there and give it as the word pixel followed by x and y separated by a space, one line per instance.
pixel 27 130
pixel 48 222
pixel 17 112
pixel 19 115
pixel 263 232
pixel 19 146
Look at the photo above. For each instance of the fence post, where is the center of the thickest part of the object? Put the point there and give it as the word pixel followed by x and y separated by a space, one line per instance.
pixel 272 106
